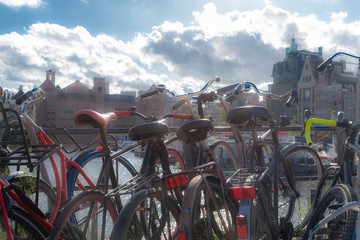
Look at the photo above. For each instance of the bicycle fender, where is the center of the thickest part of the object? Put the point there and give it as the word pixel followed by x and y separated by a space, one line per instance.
pixel 189 198
pixel 120 228
pixel 289 148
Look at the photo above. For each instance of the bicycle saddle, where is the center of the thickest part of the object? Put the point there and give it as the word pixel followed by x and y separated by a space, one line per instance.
pixel 194 131
pixel 147 130
pixel 242 115
pixel 93 118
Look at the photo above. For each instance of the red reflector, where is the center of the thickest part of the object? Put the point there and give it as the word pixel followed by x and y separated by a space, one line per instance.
pixel 99 149
pixel 181 236
pixel 240 193
pixel 241 226
pixel 176 181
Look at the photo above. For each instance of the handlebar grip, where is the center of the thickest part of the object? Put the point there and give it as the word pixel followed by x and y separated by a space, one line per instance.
pixel 183 116
pixel 25 96
pixel 149 94
pixel 293 98
pixel 207 97
pixel 324 64
pixel 316 120
pixel 178 104
pixel 122 113
pixel 227 88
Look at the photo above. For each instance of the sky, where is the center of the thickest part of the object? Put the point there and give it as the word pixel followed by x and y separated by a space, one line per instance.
pixel 179 43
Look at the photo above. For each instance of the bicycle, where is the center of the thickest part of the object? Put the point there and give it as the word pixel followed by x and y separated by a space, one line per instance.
pixel 341 175
pixel 263 175
pixel 206 209
pixel 29 219
pixel 345 132
pixel 177 163
pixel 99 121
pixel 146 184
pixel 68 163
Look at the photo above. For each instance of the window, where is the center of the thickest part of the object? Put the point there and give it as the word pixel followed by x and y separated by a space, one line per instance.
pixel 68 114
pixel 50 115
pixel 307 94
pixel 50 104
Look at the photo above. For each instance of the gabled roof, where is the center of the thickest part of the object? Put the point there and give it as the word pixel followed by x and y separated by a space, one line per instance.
pixel 76 87
pixel 48 85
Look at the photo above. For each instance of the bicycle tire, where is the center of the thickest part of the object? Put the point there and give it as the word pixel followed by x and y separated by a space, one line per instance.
pixel 47 196
pixel 138 220
pixel 199 212
pixel 341 227
pixel 176 161
pixel 92 164
pixel 307 171
pixel 324 185
pixel 225 157
pixel 68 225
pixel 23 225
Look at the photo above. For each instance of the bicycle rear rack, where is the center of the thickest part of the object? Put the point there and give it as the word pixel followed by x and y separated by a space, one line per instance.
pixel 242 187
pixel 14 147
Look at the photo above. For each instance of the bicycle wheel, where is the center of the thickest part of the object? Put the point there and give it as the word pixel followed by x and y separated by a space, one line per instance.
pixel 225 157
pixel 149 215
pixel 82 217
pixel 47 196
pixel 307 172
pixel 91 164
pixel 341 227
pixel 176 162
pixel 208 213
pixel 22 225
pixel 324 185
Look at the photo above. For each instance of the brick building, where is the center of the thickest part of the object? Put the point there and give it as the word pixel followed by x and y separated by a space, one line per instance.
pixel 60 105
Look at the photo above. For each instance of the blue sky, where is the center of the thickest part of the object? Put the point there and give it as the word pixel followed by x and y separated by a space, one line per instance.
pixel 179 43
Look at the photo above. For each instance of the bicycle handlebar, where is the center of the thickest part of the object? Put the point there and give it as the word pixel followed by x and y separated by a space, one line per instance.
pixel 183 98
pixel 153 118
pixel 316 120
pixel 25 96
pixel 293 98
pixel 247 86
pixel 328 61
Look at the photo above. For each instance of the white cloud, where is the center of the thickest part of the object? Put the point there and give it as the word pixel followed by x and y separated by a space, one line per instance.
pixel 237 46
pixel 21 3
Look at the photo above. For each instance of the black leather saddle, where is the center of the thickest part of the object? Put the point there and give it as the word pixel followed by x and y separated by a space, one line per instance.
pixel 194 131
pixel 147 130
pixel 242 115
